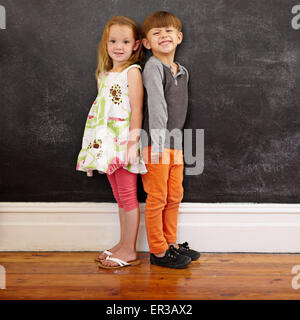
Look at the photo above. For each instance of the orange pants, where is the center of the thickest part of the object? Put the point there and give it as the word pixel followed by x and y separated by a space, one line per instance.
pixel 163 185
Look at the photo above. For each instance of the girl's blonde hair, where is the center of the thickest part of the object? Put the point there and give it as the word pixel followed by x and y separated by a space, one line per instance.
pixel 104 60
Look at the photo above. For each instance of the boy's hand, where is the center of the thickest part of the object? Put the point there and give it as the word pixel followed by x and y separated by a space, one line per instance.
pixel 132 153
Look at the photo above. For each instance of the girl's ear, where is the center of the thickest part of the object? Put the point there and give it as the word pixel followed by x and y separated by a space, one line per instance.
pixel 146 43
pixel 137 43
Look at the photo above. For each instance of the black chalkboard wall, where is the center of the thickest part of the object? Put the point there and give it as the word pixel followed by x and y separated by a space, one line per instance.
pixel 244 63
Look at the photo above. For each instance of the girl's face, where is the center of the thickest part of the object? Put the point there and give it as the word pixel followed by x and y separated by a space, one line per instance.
pixel 121 44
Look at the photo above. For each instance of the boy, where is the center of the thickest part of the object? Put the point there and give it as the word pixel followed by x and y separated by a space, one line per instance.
pixel 165 110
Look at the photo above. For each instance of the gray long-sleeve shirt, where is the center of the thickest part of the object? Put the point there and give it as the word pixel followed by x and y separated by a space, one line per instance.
pixel 166 102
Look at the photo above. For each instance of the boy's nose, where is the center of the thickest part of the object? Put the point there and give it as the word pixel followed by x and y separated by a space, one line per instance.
pixel 164 34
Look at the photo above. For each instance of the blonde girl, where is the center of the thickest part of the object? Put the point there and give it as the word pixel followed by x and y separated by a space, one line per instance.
pixel 111 137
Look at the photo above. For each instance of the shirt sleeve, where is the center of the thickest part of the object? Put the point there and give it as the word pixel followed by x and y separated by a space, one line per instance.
pixel 153 77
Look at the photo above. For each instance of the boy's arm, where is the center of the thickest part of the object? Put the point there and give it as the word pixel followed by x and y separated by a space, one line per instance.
pixel 157 105
pixel 187 73
pixel 187 79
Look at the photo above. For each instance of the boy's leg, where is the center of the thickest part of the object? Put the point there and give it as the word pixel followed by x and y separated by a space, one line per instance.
pixel 155 183
pixel 170 215
pixel 175 195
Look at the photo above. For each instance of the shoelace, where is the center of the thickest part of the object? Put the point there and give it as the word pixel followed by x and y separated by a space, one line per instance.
pixel 185 246
pixel 173 252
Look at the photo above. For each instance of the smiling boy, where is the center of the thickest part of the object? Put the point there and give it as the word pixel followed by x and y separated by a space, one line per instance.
pixel 166 84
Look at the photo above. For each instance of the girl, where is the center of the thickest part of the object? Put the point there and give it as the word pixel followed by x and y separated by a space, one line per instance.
pixel 111 137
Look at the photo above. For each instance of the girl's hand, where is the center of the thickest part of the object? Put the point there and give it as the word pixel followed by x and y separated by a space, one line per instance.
pixel 132 153
pixel 155 156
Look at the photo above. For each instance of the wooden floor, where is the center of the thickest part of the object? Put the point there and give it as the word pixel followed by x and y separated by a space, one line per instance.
pixel 75 275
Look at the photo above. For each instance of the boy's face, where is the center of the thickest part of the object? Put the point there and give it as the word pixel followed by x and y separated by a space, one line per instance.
pixel 162 41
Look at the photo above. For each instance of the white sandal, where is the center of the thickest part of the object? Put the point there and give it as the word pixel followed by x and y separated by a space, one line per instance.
pixel 120 263
pixel 108 253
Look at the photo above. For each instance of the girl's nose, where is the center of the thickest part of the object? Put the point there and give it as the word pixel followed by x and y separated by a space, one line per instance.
pixel 119 45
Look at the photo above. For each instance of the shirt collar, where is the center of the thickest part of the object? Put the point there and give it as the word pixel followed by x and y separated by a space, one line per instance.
pixel 180 68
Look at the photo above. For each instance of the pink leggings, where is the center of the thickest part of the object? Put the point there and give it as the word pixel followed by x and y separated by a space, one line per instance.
pixel 123 184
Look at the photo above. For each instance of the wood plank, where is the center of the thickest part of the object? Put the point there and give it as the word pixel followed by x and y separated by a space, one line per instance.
pixel 74 275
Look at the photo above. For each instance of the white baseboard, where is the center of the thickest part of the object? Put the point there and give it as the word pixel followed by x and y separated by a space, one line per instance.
pixel 219 227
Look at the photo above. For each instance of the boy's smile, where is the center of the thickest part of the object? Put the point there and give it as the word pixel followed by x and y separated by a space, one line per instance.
pixel 162 41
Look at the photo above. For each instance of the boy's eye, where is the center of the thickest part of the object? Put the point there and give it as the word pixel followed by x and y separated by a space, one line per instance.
pixel 156 33
pixel 126 41
pixel 169 30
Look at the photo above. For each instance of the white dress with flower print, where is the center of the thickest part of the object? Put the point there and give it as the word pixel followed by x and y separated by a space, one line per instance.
pixel 106 131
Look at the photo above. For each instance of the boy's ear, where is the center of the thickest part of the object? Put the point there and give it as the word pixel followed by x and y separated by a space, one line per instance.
pixel 180 37
pixel 136 45
pixel 146 43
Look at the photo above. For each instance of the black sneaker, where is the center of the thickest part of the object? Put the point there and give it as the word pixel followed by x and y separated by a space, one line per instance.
pixel 172 259
pixel 186 251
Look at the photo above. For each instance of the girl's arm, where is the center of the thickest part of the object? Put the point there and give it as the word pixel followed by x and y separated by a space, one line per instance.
pixel 136 95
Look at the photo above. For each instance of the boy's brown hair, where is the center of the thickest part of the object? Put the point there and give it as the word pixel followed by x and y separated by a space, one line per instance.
pixel 160 19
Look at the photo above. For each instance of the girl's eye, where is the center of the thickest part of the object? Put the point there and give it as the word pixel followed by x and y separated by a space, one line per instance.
pixel 112 41
pixel 126 42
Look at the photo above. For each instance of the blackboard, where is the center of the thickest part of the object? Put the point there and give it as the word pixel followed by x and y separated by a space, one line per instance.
pixel 244 62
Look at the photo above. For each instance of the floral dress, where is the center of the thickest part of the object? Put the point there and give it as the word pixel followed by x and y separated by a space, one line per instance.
pixel 106 131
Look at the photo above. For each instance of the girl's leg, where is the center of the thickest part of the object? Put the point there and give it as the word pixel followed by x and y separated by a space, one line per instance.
pixel 126 183
pixel 113 183
pixel 121 218
pixel 124 189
